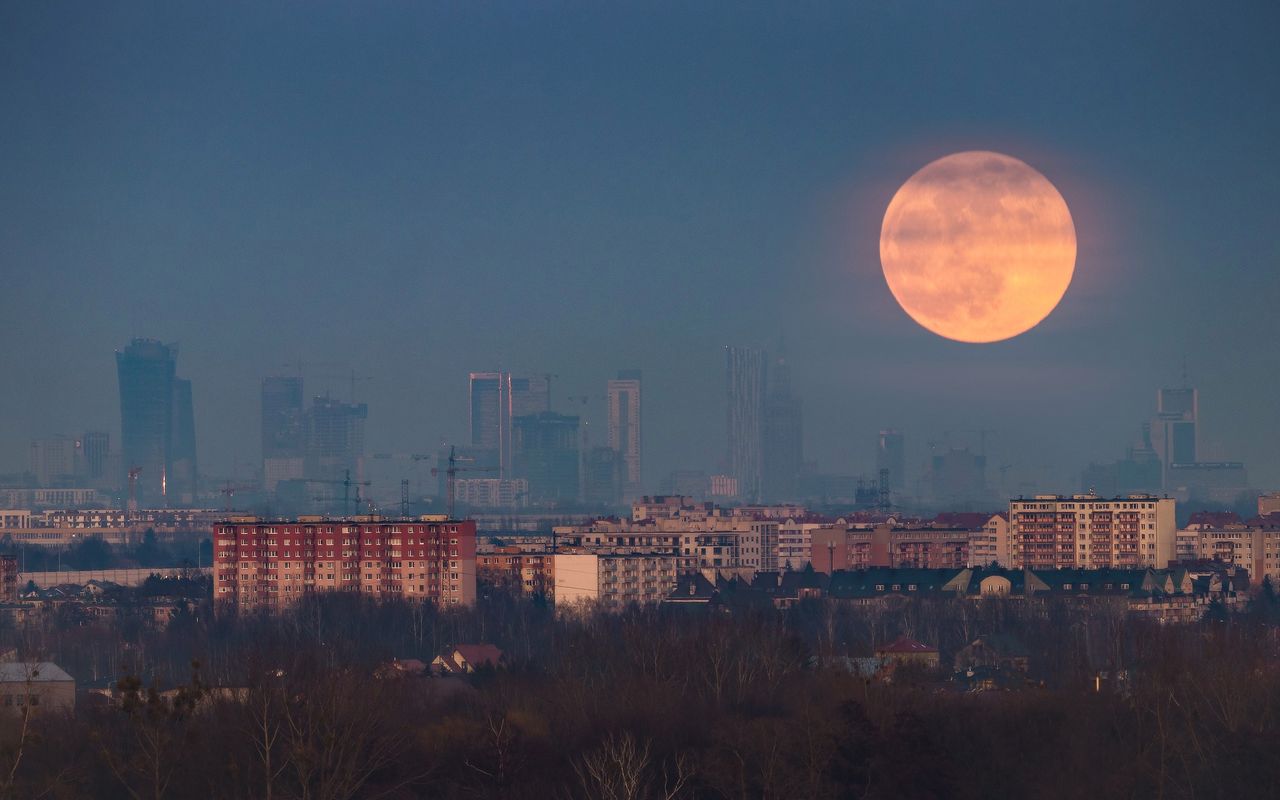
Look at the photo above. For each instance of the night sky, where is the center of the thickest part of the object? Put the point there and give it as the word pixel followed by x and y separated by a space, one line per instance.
pixel 416 190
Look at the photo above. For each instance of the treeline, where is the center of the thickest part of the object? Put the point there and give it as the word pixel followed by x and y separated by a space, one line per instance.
pixel 93 553
pixel 654 703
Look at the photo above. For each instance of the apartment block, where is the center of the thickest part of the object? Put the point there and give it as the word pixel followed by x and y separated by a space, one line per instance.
pixel 1088 532
pixel 612 581
pixel 271 564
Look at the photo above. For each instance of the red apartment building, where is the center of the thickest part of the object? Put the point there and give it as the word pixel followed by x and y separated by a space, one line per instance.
pixel 272 564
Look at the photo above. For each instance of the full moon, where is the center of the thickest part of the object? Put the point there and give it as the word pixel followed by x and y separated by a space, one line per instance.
pixel 978 247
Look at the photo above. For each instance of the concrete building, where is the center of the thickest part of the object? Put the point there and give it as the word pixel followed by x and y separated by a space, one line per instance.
pixel 1253 545
pixel 1173 431
pixel 491 493
pixel 1268 503
pixel 887 544
pixel 39 686
pixel 746 381
pixel 992 546
pixel 714 543
pixel 612 581
pixel 1089 532
pixel 272 564
pixel 8 578
pixel 795 542
pixel 625 430
pixel 602 477
pixel 512 567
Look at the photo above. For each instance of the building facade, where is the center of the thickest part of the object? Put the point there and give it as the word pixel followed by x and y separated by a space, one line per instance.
pixel 625 429
pixel 157 424
pixel 612 581
pixel 261 564
pixel 1090 532
pixel 746 381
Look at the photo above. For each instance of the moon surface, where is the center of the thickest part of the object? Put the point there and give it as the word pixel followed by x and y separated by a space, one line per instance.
pixel 978 247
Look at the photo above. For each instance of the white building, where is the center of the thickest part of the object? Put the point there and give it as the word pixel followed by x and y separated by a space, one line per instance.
pixel 1084 531
pixel 611 581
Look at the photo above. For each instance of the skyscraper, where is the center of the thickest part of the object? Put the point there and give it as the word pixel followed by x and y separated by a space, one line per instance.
pixel 93 453
pixel 624 429
pixel 53 460
pixel 1173 431
pixel 284 433
pixel 545 450
pixel 156 414
pixel 745 375
pixel 182 471
pixel 783 457
pixel 891 455
pixel 335 439
pixel 497 398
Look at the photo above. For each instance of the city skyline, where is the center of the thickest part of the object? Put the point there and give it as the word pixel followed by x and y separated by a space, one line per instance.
pixel 424 218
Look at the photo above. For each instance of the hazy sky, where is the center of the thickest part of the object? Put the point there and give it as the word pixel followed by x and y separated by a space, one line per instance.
pixel 421 189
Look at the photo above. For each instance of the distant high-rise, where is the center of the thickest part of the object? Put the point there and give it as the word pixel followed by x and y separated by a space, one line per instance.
pixel 1173 431
pixel 93 454
pixel 182 472
pixel 545 452
pixel 53 461
pixel 891 455
pixel 624 429
pixel 745 374
pixel 602 477
pixel 783 456
pixel 335 439
pixel 284 431
pixel 157 424
pixel 497 398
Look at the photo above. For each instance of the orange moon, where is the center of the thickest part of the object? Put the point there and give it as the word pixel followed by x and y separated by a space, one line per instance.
pixel 978 247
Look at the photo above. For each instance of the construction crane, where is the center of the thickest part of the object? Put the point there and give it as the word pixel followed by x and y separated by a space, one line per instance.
pixel 346 483
pixel 230 490
pixel 452 471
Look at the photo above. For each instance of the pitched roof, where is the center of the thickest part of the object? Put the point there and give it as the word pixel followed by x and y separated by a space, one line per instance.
pixel 479 654
pixel 35 671
pixel 904 645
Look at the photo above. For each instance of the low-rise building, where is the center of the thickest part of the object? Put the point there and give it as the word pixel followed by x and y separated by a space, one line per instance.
pixel 36 685
pixel 1253 545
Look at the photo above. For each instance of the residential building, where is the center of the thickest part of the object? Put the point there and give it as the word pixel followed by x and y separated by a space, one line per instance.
pixel 1223 537
pixel 489 493
pixel 612 581
pixel 842 547
pixel 1086 531
pixel 531 572
pixel 464 659
pixel 39 686
pixel 625 431
pixel 272 564
pixel 746 381
pixel 795 542
pixel 1268 503
pixel 992 545
pixel 8 578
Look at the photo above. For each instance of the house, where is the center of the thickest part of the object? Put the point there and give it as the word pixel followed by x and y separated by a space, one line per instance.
pixel 906 650
pixel 400 668
pixel 32 684
pixel 994 650
pixel 467 658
